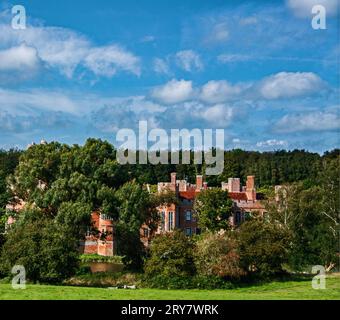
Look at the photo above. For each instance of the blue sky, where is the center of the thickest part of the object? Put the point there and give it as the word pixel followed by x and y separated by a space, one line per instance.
pixel 88 68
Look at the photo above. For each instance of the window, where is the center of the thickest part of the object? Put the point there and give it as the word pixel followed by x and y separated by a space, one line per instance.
pixel 146 232
pixel 171 220
pixel 188 231
pixel 188 215
pixel 162 220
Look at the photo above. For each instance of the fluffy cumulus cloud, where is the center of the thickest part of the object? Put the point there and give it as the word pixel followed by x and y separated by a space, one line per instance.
pixel 219 91
pixel 290 85
pixel 313 121
pixel 66 49
pixel 218 115
pixel 174 91
pixel 283 85
pixel 19 58
pixel 272 143
pixel 188 60
pixel 303 8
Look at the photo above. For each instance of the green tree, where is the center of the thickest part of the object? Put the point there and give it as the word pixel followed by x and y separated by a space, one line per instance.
pixel 216 254
pixel 263 246
pixel 171 254
pixel 213 208
pixel 311 216
pixel 48 252
pixel 137 207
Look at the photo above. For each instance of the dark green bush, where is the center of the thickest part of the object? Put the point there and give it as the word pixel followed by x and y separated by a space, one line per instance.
pixel 48 252
pixel 186 282
pixel 171 255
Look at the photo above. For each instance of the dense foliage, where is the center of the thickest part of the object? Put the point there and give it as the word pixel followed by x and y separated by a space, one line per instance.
pixel 8 162
pixel 48 251
pixel 171 255
pixel 63 184
pixel 263 246
pixel 213 208
pixel 216 255
pixel 312 215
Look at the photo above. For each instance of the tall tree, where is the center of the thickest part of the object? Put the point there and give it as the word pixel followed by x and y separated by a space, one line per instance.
pixel 213 208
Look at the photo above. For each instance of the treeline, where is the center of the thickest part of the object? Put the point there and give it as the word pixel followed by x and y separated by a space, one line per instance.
pixel 270 168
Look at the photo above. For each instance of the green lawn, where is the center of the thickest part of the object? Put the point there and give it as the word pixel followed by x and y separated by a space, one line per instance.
pixel 296 290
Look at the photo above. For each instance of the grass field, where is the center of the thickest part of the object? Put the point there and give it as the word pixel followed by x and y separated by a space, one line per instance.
pixel 295 290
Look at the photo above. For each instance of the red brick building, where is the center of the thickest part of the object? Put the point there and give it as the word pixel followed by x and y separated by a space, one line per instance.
pixel 181 216
pixel 173 216
pixel 103 243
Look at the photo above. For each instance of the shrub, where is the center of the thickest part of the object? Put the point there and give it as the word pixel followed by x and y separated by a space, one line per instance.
pixel 186 282
pixel 85 258
pixel 263 246
pixel 47 251
pixel 171 255
pixel 216 255
pixel 104 279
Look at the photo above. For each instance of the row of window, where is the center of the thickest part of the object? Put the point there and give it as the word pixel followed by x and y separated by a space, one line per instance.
pixel 188 232
pixel 170 226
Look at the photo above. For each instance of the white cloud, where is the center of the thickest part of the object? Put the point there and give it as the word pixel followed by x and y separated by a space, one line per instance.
pixel 227 58
pixel 189 60
pixel 313 121
pixel 106 61
pixel 303 8
pixel 161 66
pixel 219 91
pixel 290 85
pixel 174 91
pixel 272 143
pixel 17 102
pixel 19 58
pixel 218 115
pixel 220 33
pixel 66 49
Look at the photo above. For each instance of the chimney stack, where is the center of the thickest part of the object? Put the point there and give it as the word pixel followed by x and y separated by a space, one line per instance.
pixel 199 182
pixel 234 185
pixel 173 178
pixel 250 188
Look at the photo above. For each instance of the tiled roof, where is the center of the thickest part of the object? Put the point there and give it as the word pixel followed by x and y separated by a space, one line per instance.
pixel 189 195
pixel 238 196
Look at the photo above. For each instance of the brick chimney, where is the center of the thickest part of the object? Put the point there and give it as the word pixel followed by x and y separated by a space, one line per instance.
pixel 250 188
pixel 173 178
pixel 234 185
pixel 199 182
